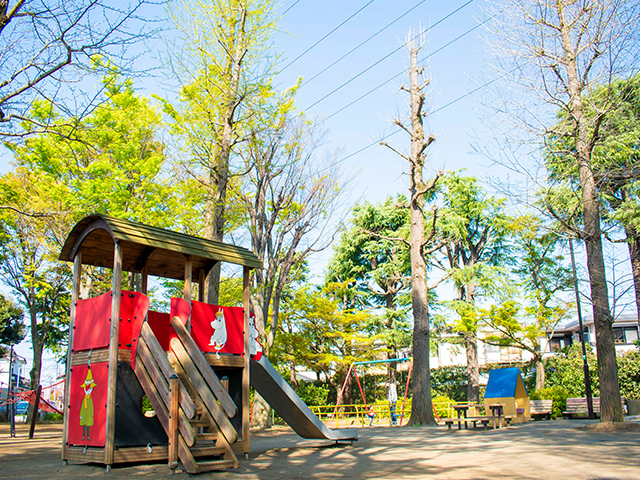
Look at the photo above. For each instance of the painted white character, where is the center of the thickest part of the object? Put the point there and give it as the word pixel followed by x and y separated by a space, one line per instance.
pixel 219 337
pixel 254 345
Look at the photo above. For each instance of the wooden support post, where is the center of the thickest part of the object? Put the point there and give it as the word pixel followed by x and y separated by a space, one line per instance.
pixel 245 371
pixel 201 285
pixel 36 405
pixel 113 355
pixel 188 273
pixel 174 411
pixel 144 282
pixel 75 296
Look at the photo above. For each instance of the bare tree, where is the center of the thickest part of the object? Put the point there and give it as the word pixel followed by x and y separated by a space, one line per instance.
pixel 48 46
pixel 422 410
pixel 555 52
pixel 287 194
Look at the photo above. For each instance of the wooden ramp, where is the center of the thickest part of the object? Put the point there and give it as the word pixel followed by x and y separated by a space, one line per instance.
pixel 191 403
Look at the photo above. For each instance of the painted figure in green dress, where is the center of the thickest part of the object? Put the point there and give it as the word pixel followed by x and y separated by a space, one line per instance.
pixel 86 410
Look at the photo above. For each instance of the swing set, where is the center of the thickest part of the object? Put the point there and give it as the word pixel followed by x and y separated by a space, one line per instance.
pixel 352 369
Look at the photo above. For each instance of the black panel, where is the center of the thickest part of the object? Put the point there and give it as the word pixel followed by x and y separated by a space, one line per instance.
pixel 235 392
pixel 132 427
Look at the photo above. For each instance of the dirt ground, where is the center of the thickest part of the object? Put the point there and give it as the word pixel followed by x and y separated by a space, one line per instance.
pixel 561 449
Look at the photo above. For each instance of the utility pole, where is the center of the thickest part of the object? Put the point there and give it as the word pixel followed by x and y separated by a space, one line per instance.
pixel 12 406
pixel 585 365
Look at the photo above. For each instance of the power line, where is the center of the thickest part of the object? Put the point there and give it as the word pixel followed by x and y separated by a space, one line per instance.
pixel 364 42
pixel 291 6
pixel 315 44
pixel 431 113
pixel 387 56
pixel 404 71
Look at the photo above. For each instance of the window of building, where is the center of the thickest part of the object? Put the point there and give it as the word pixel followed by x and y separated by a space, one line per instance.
pixel 625 335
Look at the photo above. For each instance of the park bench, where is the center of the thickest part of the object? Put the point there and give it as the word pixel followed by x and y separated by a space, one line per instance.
pixel 541 408
pixel 474 420
pixel 577 407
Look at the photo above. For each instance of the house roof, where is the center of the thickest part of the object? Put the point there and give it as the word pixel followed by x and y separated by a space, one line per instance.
pixel 163 251
pixel 503 383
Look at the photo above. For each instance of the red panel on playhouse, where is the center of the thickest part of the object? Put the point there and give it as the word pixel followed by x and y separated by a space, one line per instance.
pixel 92 323
pixel 159 323
pixel 133 309
pixel 88 404
pixel 179 308
pixel 217 329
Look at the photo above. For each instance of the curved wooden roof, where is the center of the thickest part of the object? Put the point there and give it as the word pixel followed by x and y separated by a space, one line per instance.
pixel 163 251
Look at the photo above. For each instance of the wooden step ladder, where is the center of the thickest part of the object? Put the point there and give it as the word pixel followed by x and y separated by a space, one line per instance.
pixel 190 401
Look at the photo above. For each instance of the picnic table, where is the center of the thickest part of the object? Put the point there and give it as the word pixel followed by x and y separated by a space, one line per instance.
pixel 462 410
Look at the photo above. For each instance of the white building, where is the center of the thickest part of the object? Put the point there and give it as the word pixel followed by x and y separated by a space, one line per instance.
pixel 625 333
pixel 19 366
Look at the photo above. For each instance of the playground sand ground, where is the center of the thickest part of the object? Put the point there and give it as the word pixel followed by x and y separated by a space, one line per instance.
pixel 561 449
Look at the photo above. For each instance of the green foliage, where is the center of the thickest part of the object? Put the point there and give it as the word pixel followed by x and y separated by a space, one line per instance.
pixel 12 329
pixel 629 374
pixel 559 396
pixel 564 369
pixel 321 335
pixel 313 393
pixel 450 381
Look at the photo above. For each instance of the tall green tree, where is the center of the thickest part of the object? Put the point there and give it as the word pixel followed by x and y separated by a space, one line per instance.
pixel 11 324
pixel 111 163
pixel 325 335
pixel 474 229
pixel 374 254
pixel 221 62
pixel 543 278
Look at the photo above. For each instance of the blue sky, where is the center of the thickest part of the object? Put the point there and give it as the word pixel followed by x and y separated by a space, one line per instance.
pixel 452 71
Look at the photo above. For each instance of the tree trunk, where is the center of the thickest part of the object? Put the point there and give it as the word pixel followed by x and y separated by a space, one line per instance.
pixel 473 370
pixel 260 413
pixel 37 345
pixel 610 401
pixel 539 366
pixel 422 410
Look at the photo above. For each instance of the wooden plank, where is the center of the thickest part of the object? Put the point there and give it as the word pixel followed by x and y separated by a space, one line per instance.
pixel 204 391
pixel 185 380
pixel 82 358
pixel 153 349
pixel 90 455
pixel 174 385
pixel 140 454
pixel 246 380
pixel 75 296
pixel 188 462
pixel 113 354
pixel 236 361
pixel 162 390
pixel 205 370
pixel 201 285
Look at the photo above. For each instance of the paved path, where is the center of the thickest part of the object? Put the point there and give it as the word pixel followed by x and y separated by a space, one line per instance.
pixel 536 450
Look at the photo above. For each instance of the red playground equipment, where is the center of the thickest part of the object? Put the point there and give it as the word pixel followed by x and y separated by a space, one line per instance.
pixel 194 364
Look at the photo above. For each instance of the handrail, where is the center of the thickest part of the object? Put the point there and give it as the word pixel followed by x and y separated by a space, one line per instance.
pixel 357 412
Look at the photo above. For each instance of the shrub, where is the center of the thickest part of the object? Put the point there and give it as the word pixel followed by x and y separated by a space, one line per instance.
pixel 312 394
pixel 629 374
pixel 559 396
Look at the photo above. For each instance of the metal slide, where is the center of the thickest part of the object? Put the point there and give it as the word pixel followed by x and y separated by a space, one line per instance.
pixel 286 402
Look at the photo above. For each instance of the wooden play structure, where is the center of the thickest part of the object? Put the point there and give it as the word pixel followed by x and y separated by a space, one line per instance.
pixel 193 363
pixel 505 386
